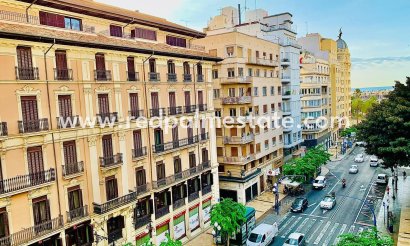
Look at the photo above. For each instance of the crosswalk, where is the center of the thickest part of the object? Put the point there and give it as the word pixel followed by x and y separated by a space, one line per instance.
pixel 318 231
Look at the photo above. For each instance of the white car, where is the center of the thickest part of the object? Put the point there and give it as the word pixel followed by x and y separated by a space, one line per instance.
pixel 262 235
pixel 328 202
pixel 382 179
pixel 295 239
pixel 319 183
pixel 359 158
pixel 374 161
pixel 361 143
pixel 354 169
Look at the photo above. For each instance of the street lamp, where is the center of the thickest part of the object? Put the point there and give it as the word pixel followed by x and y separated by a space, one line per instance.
pixel 275 191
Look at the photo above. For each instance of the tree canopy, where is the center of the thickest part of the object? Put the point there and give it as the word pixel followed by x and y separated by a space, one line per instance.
pixel 365 238
pixel 386 128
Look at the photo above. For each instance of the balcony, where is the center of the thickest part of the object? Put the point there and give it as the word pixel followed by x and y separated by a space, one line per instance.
pixel 73 169
pixel 22 183
pixel 136 113
pixel 239 140
pixel 107 118
pixel 26 235
pixel 285 62
pixel 133 76
pixel 236 159
pixel 240 119
pixel 286 93
pixel 200 78
pixel 190 109
pixel 63 74
pixel 139 153
pixel 160 212
pixel 237 80
pixel 237 100
pixel 178 203
pixel 207 189
pixel 142 221
pixel 157 112
pixel 30 73
pixel 114 203
pixel 263 62
pixel 202 107
pixel 142 189
pixel 77 214
pixel 65 122
pixel 285 78
pixel 193 196
pixel 187 77
pixel 286 111
pixel 3 129
pixel 204 165
pixel 203 136
pixel 172 77
pixel 102 75
pixel 153 77
pixel 160 148
pixel 33 126
pixel 175 110
pixel 111 161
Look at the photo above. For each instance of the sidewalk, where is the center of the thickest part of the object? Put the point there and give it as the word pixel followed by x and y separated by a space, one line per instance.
pixel 340 157
pixel 263 205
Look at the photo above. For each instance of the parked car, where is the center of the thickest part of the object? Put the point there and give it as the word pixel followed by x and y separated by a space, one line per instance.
pixel 382 179
pixel 295 239
pixel 353 169
pixel 361 144
pixel 262 235
pixel 299 205
pixel 328 202
pixel 359 158
pixel 320 182
pixel 374 161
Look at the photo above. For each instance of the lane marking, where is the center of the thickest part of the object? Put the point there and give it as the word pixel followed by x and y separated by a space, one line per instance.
pixel 314 232
pixel 315 216
pixel 307 228
pixel 342 230
pixel 302 224
pixel 361 207
pixel 289 230
pixel 286 224
pixel 330 234
pixel 311 205
pixel 351 230
pixel 322 233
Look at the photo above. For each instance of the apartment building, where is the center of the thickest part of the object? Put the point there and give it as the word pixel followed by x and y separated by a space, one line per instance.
pixel 247 88
pixel 315 95
pixel 343 57
pixel 120 180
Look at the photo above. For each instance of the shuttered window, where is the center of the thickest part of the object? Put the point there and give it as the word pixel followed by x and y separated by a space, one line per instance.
pixel 187 96
pixel 41 210
pixel 4 223
pixel 172 100
pixel 144 34
pixel 204 155
pixel 70 152
pixel 134 102
pixel 115 31
pixel 177 165
pixel 61 60
pixel 107 146
pixel 154 100
pixel 137 139
pixel 111 188
pixel 175 41
pixel 29 109
pixel 160 170
pixel 192 160
pixel 100 62
pixel 130 64
pixel 35 160
pixel 24 57
pixel 64 105
pixel 140 176
pixel 187 69
pixel 200 98
pixel 152 66
pixel 103 103
pixel 75 198
pixel 50 19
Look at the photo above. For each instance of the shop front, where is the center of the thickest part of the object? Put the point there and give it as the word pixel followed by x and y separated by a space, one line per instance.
pixel 206 210
pixel 162 232
pixel 179 226
pixel 80 234
pixel 194 218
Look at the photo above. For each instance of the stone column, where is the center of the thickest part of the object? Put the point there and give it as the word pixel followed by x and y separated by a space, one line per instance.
pixel 94 167
pixel 124 167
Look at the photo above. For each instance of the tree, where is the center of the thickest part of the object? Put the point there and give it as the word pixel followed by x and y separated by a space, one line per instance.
pixel 228 216
pixel 386 127
pixel 348 132
pixel 365 238
pixel 171 242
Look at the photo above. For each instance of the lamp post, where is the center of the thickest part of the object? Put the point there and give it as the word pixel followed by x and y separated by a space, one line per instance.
pixel 275 191
pixel 216 233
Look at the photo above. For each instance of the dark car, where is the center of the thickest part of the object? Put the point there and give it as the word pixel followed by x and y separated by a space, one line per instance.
pixel 299 205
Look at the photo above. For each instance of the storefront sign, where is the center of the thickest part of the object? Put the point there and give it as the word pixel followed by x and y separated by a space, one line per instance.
pixel 194 218
pixel 162 233
pixel 179 227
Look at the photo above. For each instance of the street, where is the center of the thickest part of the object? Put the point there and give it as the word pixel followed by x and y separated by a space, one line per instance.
pixel 351 214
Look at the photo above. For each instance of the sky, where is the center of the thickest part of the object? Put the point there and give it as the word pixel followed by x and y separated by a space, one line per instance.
pixel 376 31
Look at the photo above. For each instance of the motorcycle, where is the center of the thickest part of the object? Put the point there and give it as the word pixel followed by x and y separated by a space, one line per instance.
pixel 344 183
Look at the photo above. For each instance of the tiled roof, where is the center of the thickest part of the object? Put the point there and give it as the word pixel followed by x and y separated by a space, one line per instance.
pixel 115 12
pixel 41 33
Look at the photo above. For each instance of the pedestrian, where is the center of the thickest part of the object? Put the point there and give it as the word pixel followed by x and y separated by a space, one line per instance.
pixel 388 190
pixel 404 174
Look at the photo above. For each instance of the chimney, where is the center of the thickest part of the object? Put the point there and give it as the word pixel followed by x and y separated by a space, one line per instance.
pixel 239 13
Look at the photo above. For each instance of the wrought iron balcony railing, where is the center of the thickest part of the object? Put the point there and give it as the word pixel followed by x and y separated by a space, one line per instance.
pixel 114 203
pixel 65 122
pixel 27 73
pixel 133 76
pixel 200 78
pixel 158 148
pixel 63 74
pixel 175 110
pixel 102 75
pixel 110 161
pixel 202 107
pixel 190 109
pixel 105 118
pixel 26 181
pixel 160 212
pixel 135 114
pixel 140 152
pixel 77 213
pixel 153 77
pixel 33 126
pixel 178 203
pixel 172 77
pixel 142 221
pixel 73 168
pixel 193 196
pixel 187 77
pixel 142 189
pixel 206 189
pixel 157 112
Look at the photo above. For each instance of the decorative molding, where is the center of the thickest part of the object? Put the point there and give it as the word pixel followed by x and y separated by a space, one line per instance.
pixel 133 89
pixel 5 202
pixel 38 192
pixel 102 89
pixel 27 90
pixel 92 141
pixel 121 136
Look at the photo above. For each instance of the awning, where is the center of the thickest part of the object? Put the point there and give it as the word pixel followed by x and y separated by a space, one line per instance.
pixel 289 182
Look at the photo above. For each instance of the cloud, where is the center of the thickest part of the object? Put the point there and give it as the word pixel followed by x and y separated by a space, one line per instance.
pixel 379 60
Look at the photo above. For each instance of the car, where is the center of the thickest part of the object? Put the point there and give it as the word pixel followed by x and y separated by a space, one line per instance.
pixel 299 205
pixel 262 235
pixel 328 202
pixel 361 144
pixel 382 179
pixel 353 169
pixel 374 161
pixel 319 183
pixel 359 158
pixel 295 238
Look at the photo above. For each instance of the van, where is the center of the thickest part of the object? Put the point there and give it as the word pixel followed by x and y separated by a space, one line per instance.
pixel 319 183
pixel 262 235
pixel 381 179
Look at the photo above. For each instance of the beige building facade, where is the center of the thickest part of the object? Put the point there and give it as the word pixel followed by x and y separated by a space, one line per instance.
pixel 118 179
pixel 247 88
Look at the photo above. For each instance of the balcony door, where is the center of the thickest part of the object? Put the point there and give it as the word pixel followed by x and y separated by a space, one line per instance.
pixel 172 102
pixel 190 132
pixel 171 67
pixel 107 147
pixel 134 105
pixel 131 69
pixel 103 105
pixel 152 66
pixel 35 165
pixel 137 136
pixel 29 111
pixel 175 136
pixel 160 170
pixel 100 62
pixel 41 212
pixel 75 198
pixel 200 98
pixel 24 57
pixel 64 106
pixel 158 139
pixel 187 96
pixel 4 223
pixel 61 64
pixel 140 176
pixel 204 155
pixel 187 69
pixel 70 153
pixel 154 100
pixel 111 188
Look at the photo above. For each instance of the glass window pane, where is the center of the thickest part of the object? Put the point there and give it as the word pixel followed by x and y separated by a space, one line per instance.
pixel 67 23
pixel 75 24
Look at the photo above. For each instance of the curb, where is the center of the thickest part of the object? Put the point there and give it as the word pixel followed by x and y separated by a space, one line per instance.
pixel 347 153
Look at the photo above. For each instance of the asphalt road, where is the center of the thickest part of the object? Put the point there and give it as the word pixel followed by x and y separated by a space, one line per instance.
pixel 322 227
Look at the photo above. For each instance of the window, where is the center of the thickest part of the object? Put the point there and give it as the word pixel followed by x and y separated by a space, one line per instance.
pixel 114 228
pixel 134 105
pixel 26 71
pixel 64 106
pixel 61 21
pixel 217 93
pixel 75 198
pixel 144 34
pixel 266 144
pixel 219 151
pixel 218 113
pixel 270 57
pixel 35 163
pixel 100 67
pixel 41 210
pixel 231 92
pixel 175 41
pixel 215 73
pixel 152 66
pixel 72 23
pixel 137 137
pixel 264 91
pixel 177 165
pixel 265 109
pixel 240 71
pixel 171 67
pixel 229 51
pixel 272 107
pixel 111 188
pixel 231 72
pixel 140 176
pixel 192 160
pixel 70 154
pixel 221 168
pixel 257 54
pixel 160 170
pixel 103 104
pixel 274 141
pixel 219 132
pixel 232 112
pixel 255 91
pixel 258 148
pixel 4 223
pixel 250 72
pixel 115 31
pixel 61 71
pixel 258 72
pixel 272 90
